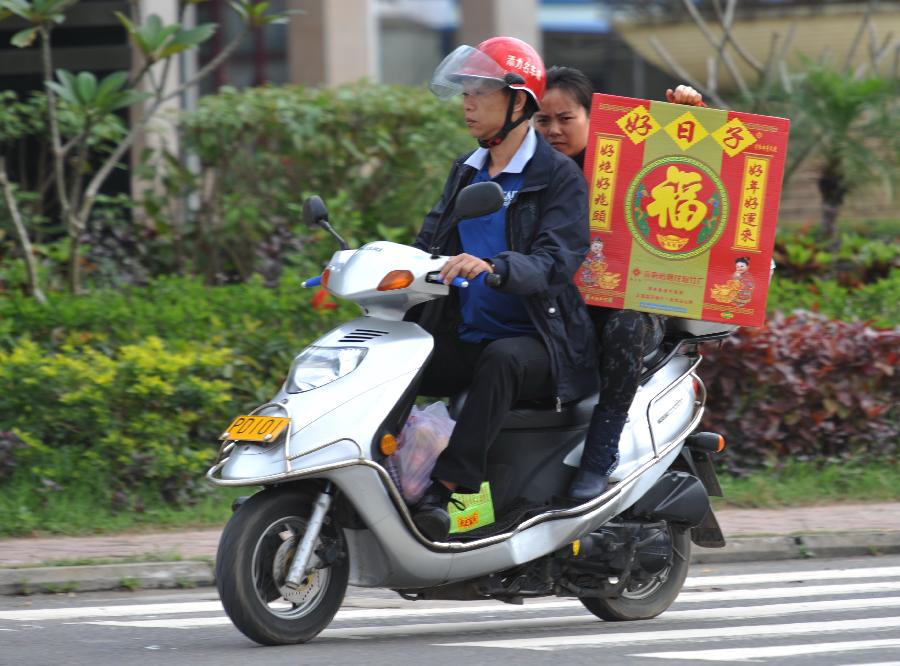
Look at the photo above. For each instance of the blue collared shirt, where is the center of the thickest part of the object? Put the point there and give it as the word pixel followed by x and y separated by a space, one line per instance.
pixel 488 314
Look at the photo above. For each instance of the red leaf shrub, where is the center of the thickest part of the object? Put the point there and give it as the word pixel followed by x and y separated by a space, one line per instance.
pixel 804 388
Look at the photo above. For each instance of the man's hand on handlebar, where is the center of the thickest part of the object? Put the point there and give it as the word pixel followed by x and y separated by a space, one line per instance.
pixel 465 266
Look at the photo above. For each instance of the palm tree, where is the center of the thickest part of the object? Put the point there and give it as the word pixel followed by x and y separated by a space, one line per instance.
pixel 850 129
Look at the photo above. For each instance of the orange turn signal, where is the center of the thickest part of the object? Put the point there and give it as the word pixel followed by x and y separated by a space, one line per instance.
pixel 711 442
pixel 388 444
pixel 326 274
pixel 395 280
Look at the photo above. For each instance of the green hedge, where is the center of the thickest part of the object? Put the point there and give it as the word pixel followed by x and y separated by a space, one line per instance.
pixel 127 391
pixel 862 258
pixel 145 415
pixel 378 156
pixel 874 303
pixel 256 321
pixel 124 392
pixel 858 283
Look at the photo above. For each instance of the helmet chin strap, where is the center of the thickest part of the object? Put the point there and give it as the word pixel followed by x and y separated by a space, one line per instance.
pixel 508 126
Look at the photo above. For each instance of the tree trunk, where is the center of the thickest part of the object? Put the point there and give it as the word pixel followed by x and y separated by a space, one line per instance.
pixel 830 214
pixel 74 264
pixel 833 189
pixel 34 286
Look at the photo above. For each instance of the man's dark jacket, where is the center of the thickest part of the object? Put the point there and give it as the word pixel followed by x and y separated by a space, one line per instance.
pixel 547 233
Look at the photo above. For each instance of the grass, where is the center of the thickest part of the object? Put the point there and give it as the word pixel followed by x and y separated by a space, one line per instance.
pixel 92 561
pixel 808 484
pixel 129 583
pixel 80 511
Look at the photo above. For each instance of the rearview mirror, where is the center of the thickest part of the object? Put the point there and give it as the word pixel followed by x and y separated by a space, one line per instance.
pixel 479 199
pixel 316 215
pixel 314 211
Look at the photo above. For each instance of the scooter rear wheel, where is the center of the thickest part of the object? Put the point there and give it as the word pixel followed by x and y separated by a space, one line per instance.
pixel 643 601
pixel 255 552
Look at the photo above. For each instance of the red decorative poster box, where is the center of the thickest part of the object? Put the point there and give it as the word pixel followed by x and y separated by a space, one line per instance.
pixel 684 202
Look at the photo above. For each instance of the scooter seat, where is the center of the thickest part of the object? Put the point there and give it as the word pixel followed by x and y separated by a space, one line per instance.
pixel 532 415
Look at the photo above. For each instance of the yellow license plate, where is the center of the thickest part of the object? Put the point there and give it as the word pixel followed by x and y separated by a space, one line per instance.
pixel 256 428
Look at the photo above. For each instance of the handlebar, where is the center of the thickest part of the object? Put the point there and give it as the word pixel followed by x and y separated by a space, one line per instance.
pixel 435 278
pixel 455 282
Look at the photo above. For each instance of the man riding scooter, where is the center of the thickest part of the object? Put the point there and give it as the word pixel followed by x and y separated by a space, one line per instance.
pixel 521 330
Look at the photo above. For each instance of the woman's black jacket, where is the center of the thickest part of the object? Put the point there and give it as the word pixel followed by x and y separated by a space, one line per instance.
pixel 547 233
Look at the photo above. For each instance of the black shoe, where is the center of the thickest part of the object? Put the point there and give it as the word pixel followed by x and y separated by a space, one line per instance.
pixel 430 513
pixel 588 485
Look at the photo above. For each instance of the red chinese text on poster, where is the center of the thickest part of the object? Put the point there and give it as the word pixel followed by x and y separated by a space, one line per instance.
pixel 683 207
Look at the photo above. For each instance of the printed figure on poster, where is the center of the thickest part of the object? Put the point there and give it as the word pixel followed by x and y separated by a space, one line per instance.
pixel 683 209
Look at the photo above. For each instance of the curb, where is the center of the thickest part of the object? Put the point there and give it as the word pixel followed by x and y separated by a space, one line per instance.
pixel 190 574
pixel 751 549
pixel 94 578
pixel 771 548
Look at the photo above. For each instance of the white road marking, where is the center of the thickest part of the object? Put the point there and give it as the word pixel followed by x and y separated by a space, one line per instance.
pixel 688 596
pixel 481 610
pixel 704 633
pixel 73 613
pixel 776 651
pixel 174 623
pixel 793 576
pixel 779 592
pixel 484 625
pixel 772 610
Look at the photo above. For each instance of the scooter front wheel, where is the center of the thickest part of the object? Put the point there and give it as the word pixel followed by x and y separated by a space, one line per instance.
pixel 255 553
pixel 642 601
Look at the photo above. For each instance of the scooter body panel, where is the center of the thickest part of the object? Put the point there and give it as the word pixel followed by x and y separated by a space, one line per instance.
pixel 404 562
pixel 356 275
pixel 354 405
pixel 660 410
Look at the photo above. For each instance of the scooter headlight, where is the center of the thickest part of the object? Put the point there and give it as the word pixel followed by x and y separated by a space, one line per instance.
pixel 318 366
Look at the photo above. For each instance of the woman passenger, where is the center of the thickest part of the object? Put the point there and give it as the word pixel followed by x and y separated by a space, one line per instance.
pixel 624 336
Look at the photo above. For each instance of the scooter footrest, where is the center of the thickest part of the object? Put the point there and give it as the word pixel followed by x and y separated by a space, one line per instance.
pixel 518 512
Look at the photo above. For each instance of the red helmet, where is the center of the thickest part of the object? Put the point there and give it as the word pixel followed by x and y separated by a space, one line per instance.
pixel 518 57
pixel 496 63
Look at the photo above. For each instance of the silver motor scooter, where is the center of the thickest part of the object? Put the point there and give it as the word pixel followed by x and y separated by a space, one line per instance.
pixel 330 512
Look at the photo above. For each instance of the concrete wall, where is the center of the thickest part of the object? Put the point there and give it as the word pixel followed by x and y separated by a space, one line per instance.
pixel 332 42
pixel 818 30
pixel 481 19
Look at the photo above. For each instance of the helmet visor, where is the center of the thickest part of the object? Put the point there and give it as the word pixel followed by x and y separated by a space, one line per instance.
pixel 467 70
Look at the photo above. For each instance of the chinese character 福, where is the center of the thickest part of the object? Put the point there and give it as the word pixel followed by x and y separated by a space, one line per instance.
pixel 675 200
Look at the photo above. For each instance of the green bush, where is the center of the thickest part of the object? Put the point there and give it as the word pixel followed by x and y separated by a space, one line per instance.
pixel 801 255
pixel 805 388
pixel 263 326
pixel 859 282
pixel 378 156
pixel 145 416
pixel 874 304
pixel 125 392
